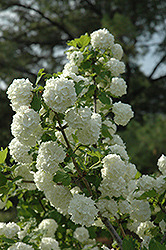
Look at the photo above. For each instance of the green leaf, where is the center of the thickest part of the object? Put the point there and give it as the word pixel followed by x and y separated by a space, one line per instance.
pixel 3 155
pixel 129 243
pixel 159 217
pixel 4 239
pixel 104 98
pixel 62 177
pixel 39 75
pixel 150 193
pixel 36 103
pixel 105 132
pixel 79 87
pixel 3 179
pixel 84 40
pixel 155 245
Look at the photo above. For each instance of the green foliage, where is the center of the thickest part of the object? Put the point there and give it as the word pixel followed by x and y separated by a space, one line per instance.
pixel 3 155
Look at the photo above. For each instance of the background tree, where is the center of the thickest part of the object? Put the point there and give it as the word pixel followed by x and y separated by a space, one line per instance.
pixel 34 33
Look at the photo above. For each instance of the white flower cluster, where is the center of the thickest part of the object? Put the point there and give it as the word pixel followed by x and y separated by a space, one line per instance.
pixel 49 227
pixel 115 66
pixel 20 93
pixel 20 246
pixel 118 86
pixel 81 234
pixel 48 243
pixel 102 39
pixel 87 124
pixel 82 210
pixel 25 126
pixel 59 93
pixel 122 112
pixel 162 164
pixel 50 154
pixel 9 229
pixel 75 57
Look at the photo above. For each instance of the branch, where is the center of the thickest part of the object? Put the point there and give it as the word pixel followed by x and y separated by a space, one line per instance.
pixel 53 22
pixel 112 230
pixel 158 64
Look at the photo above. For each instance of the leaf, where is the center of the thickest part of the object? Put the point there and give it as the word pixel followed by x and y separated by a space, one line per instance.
pixel 79 87
pixel 155 245
pixel 104 98
pixel 62 177
pixel 84 40
pixel 4 239
pixel 36 103
pixel 159 217
pixel 105 132
pixel 150 193
pixel 3 155
pixel 129 243
pixel 39 75
pixel 3 180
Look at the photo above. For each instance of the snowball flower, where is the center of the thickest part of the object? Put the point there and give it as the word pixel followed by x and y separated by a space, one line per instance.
pixel 59 197
pixel 160 184
pixel 144 229
pixel 113 167
pixel 43 180
pixel 27 175
pixel 19 151
pixel 81 234
pixel 119 150
pixel 49 156
pixel 49 226
pixel 102 39
pixel 82 210
pixel 124 206
pixel 20 246
pixel 115 66
pixel 11 229
pixel 162 225
pixel 111 126
pixel 145 183
pixel 107 207
pixel 118 86
pixel 140 210
pixel 75 57
pixel 59 93
pixel 20 93
pixel 25 126
pixel 162 164
pixel 123 113
pixel 48 243
pixel 117 51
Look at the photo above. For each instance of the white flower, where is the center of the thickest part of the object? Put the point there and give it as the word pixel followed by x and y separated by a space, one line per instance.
pixel 69 132
pixel 59 93
pixel 162 164
pixel 107 207
pixel 123 113
pixel 113 187
pixel 76 57
pixel 124 206
pixel 117 51
pixel 130 172
pixel 19 151
pixel 113 167
pixel 47 243
pixel 115 66
pixel 49 156
pixel 24 171
pixel 144 229
pixel 59 197
pixel 119 150
pixel 118 86
pixel 140 210
pixel 81 234
pixel 49 226
pixel 90 133
pixel 25 126
pixel 160 184
pixel 20 93
pixel 78 118
pixel 69 69
pixel 82 210
pixel 162 225
pixel 102 39
pixel 20 246
pixel 11 229
pixel 145 183
pixel 43 180
pixel 2 228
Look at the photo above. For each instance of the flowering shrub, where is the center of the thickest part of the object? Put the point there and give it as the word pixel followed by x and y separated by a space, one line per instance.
pixel 70 171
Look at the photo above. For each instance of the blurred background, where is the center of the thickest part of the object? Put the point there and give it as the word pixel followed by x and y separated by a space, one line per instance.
pixel 33 35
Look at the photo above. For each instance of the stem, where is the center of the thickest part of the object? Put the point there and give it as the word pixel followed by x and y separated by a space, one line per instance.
pixel 112 230
pixel 163 239
pixel 73 159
